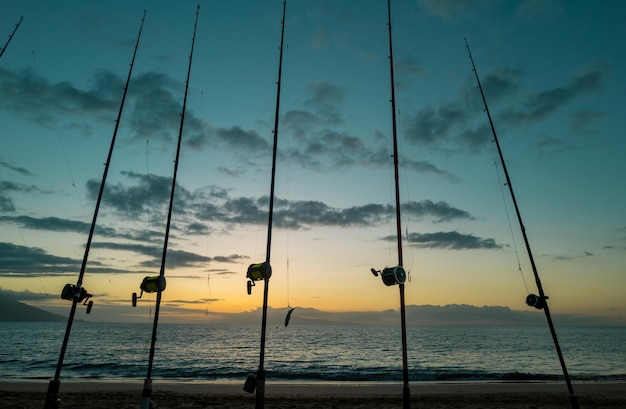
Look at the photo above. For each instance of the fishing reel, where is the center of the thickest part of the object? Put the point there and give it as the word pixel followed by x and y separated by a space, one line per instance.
pixel 71 292
pixel 536 301
pixel 257 272
pixel 391 275
pixel 150 285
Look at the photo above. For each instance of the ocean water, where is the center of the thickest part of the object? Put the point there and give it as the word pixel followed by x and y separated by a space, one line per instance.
pixel 311 353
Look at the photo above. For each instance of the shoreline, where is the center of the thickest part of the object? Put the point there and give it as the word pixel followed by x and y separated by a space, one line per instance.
pixel 126 394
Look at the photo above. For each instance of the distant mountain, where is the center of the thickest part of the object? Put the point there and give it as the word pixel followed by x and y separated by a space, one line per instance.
pixel 13 310
pixel 416 315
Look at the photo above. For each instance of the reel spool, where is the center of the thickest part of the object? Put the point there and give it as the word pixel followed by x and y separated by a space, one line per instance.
pixel 150 285
pixel 257 272
pixel 536 301
pixel 391 275
pixel 71 292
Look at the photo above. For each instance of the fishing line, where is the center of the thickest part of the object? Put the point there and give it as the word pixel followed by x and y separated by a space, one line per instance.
pixel 149 204
pixel 537 301
pixel 263 271
pixel 408 200
pixel 149 215
pixel 2 50
pixel 396 275
pixel 506 209
pixel 204 181
pixel 157 284
pixel 76 293
pixel 58 132
pixel 287 235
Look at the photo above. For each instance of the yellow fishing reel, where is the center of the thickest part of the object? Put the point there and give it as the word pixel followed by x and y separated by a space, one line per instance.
pixel 257 272
pixel 150 285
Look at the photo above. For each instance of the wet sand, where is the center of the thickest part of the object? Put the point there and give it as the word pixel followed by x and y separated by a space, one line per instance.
pixel 197 395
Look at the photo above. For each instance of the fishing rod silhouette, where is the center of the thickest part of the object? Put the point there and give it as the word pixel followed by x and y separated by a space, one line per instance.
pixel 11 36
pixel 157 284
pixel 397 275
pixel 263 271
pixel 77 293
pixel 540 301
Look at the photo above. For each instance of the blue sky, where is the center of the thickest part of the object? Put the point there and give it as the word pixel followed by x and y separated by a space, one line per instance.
pixel 551 71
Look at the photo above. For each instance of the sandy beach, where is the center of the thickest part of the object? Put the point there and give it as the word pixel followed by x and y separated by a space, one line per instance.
pixel 169 395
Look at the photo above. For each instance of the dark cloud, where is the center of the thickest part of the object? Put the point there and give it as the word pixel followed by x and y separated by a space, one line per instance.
pixel 27 95
pixel 439 211
pixel 540 105
pixel 449 240
pixel 153 103
pixel 133 200
pixel 152 112
pixel 6 204
pixel 500 82
pixel 7 187
pixel 57 225
pixel 239 139
pixel 431 125
pixel 211 204
pixel 17 169
pixel 460 123
pixel 22 261
pixel 174 258
pixel 326 99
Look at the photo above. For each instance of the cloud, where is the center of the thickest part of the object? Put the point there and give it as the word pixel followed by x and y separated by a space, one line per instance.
pixel 135 200
pixel 460 123
pixel 152 109
pixel 325 100
pixel 323 148
pixel 152 112
pixel 56 224
pixel 540 105
pixel 17 169
pixel 449 240
pixel 439 211
pixel 27 95
pixel 22 261
pixel 7 187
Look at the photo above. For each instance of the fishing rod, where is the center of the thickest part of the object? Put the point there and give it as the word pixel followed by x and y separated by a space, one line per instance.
pixel 77 293
pixel 397 274
pixel 263 271
pixel 11 36
pixel 540 301
pixel 157 284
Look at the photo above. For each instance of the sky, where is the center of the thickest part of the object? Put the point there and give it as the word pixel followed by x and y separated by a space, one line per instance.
pixel 551 75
